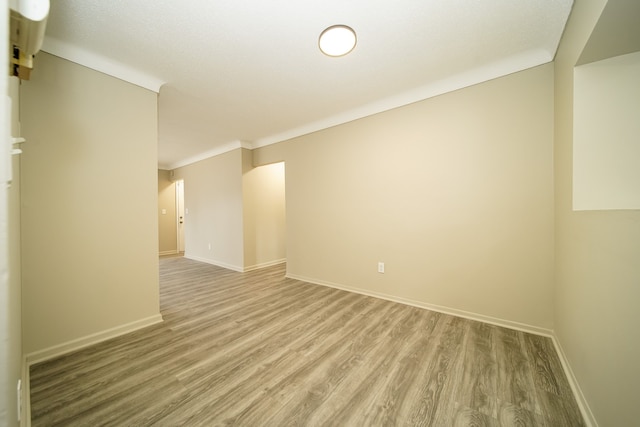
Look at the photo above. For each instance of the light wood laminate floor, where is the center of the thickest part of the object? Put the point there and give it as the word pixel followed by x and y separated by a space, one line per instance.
pixel 258 349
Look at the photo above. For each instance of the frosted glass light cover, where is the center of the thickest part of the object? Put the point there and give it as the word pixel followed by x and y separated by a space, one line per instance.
pixel 337 40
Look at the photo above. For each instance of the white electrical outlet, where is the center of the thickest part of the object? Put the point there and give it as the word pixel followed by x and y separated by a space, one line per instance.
pixel 209 246
pixel 381 267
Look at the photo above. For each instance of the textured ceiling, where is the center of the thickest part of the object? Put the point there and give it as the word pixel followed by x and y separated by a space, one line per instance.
pixel 250 72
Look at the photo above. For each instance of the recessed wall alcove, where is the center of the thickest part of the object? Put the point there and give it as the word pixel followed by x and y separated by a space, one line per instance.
pixel 606 134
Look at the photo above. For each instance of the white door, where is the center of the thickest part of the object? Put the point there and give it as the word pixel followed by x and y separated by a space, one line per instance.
pixel 180 211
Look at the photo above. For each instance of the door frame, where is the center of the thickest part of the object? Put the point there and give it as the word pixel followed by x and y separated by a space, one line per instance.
pixel 180 216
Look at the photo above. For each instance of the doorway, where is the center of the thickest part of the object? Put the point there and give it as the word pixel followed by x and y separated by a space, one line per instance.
pixel 264 216
pixel 180 215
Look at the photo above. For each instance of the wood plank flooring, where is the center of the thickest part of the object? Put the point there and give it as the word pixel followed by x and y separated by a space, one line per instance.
pixel 258 349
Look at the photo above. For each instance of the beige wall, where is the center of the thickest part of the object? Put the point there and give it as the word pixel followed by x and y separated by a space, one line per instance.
pixel 89 204
pixel 236 214
pixel 213 198
pixel 167 231
pixel 597 258
pixel 606 151
pixel 453 193
pixel 264 214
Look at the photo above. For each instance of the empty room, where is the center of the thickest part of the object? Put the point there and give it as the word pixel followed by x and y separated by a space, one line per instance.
pixel 320 213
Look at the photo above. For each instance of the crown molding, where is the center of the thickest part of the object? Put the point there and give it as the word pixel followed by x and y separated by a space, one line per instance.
pixel 510 65
pixel 224 148
pixel 102 64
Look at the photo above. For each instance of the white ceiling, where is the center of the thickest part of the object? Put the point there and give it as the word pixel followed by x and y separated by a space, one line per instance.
pixel 249 72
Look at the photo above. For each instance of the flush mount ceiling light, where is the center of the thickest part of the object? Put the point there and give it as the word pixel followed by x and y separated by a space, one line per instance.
pixel 337 40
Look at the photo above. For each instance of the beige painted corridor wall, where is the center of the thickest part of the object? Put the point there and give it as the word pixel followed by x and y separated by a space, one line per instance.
pixel 454 194
pixel 167 231
pixel 236 209
pixel 263 191
pixel 89 203
pixel 213 198
pixel 598 262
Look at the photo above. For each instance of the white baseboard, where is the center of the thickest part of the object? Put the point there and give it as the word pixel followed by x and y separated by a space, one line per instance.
pixel 173 252
pixel 79 343
pixel 235 267
pixel 58 350
pixel 589 419
pixel 587 415
pixel 433 307
pixel 25 413
pixel 214 262
pixel 265 265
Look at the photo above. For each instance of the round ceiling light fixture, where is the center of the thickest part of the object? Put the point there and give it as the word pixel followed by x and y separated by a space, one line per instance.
pixel 337 40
